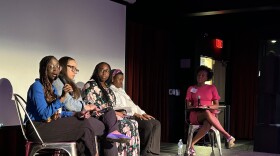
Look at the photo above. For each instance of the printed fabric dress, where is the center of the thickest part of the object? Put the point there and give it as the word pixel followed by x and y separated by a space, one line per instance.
pixel 92 94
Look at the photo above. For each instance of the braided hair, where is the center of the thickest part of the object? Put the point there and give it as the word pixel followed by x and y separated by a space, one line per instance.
pixel 47 85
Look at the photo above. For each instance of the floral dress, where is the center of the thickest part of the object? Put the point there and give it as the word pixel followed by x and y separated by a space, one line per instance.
pixel 93 94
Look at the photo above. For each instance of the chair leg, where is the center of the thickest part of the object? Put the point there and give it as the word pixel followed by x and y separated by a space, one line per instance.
pixel 191 130
pixel 212 140
pixel 96 145
pixel 218 138
pixel 27 149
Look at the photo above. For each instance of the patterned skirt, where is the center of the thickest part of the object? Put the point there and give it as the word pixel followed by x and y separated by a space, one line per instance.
pixel 129 127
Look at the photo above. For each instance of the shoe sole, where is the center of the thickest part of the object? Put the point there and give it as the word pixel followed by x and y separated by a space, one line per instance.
pixel 119 140
pixel 231 143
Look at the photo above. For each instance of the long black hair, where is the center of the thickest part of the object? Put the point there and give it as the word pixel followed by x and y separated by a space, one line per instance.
pixel 95 76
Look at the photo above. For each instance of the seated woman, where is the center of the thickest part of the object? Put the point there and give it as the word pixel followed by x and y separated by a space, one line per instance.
pixel 149 127
pixel 97 91
pixel 74 102
pixel 43 105
pixel 206 96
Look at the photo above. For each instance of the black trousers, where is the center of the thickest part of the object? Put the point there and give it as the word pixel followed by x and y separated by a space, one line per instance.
pixel 82 131
pixel 111 124
pixel 150 133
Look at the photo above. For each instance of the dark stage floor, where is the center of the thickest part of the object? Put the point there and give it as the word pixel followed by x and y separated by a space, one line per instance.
pixel 241 148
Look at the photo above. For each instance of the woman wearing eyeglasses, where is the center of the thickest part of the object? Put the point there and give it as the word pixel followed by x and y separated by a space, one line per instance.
pixel 74 102
pixel 97 91
pixel 43 104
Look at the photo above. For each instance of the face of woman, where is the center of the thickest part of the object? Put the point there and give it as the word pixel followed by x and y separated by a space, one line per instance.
pixel 103 72
pixel 72 69
pixel 201 77
pixel 118 81
pixel 53 69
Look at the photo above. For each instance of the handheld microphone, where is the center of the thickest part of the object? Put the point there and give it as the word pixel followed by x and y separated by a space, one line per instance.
pixel 62 79
pixel 198 100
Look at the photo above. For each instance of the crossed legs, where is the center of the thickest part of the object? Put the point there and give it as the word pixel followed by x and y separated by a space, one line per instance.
pixel 208 119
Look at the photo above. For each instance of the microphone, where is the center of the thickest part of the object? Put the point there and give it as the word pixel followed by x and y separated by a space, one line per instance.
pixel 198 101
pixel 62 79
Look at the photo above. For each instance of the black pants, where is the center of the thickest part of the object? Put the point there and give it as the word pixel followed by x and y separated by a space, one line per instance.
pixel 111 124
pixel 150 133
pixel 82 131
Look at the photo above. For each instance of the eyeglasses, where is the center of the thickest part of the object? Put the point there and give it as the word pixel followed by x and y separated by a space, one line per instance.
pixel 52 67
pixel 73 69
pixel 104 71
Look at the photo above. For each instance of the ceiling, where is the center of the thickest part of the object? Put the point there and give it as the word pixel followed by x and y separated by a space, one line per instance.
pixel 200 7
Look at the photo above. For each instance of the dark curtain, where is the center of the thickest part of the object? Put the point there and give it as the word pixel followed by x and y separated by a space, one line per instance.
pixel 146 70
pixel 244 84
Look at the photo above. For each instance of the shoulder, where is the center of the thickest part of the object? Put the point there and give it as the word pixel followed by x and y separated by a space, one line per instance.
pixel 90 83
pixel 212 86
pixel 91 86
pixel 36 87
pixel 113 88
pixel 36 84
pixel 192 88
pixel 58 84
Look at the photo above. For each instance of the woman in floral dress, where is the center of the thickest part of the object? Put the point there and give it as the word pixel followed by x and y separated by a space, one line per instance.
pixel 97 91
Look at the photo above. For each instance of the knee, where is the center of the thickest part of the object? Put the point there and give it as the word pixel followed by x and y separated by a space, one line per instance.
pixel 157 124
pixel 207 125
pixel 146 125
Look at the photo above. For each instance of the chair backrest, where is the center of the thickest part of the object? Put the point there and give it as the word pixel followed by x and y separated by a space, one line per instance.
pixel 20 106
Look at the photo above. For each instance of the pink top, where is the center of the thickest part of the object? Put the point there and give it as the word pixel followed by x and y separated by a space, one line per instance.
pixel 207 93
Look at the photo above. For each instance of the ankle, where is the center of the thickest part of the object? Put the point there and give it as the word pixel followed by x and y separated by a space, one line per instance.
pixel 229 138
pixel 115 132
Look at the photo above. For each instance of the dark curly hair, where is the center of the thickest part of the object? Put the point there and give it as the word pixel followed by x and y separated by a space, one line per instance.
pixel 207 69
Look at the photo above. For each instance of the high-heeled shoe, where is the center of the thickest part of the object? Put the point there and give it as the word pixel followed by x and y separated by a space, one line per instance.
pixel 230 141
pixel 191 152
pixel 121 138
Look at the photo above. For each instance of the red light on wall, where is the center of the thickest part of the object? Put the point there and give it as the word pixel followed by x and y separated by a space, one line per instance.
pixel 218 43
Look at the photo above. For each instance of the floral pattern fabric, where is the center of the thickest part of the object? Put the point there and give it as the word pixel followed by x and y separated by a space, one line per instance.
pixel 129 127
pixel 92 94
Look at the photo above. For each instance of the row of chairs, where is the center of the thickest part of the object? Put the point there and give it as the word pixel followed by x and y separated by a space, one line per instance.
pixel 69 148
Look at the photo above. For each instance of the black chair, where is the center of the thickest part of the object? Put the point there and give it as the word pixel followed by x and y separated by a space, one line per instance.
pixel 41 147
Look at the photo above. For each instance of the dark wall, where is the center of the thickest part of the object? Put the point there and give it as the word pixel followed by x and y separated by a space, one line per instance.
pixel 191 35
pixel 12 141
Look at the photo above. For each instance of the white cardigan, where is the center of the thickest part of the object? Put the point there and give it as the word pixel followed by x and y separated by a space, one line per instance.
pixel 123 101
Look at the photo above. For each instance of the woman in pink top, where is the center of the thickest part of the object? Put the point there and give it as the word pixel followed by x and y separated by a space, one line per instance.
pixel 205 96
